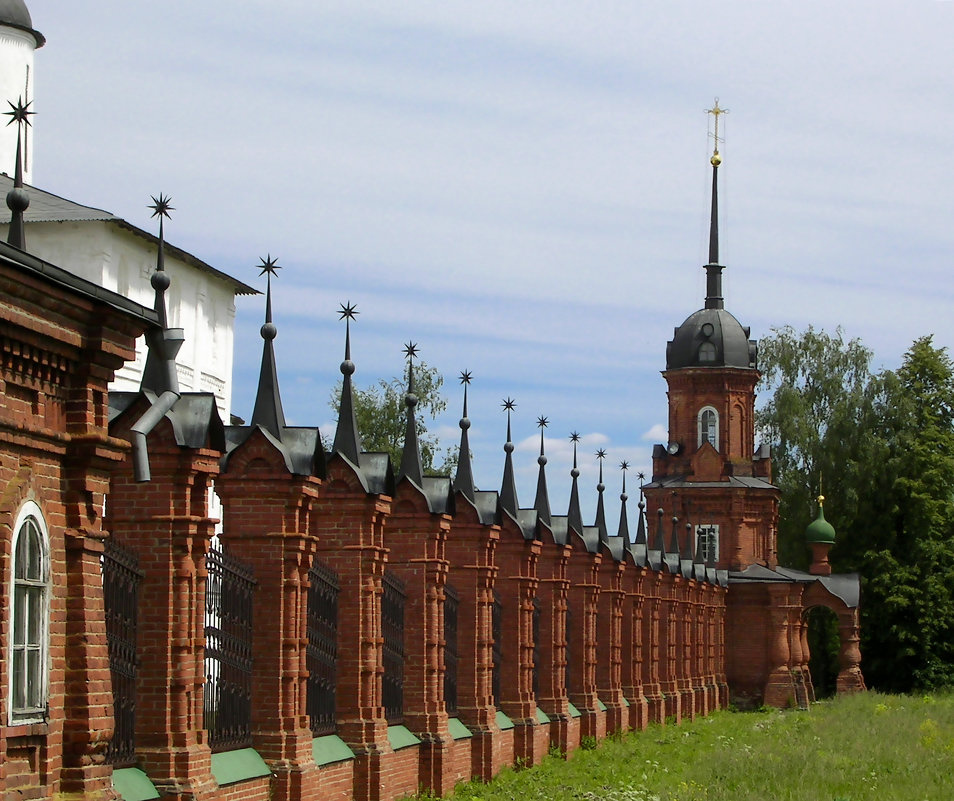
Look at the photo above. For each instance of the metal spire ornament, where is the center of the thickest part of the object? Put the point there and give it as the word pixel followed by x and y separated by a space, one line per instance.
pixel 714 299
pixel 18 200
pixel 623 530
pixel 508 490
pixel 347 439
pixel 600 512
pixel 541 502
pixel 268 412
pixel 411 455
pixel 464 480
pixel 574 517
pixel 641 522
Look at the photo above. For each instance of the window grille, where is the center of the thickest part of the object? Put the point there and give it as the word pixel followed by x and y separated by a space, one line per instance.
pixel 392 626
pixel 121 582
pixel 451 605
pixel 29 648
pixel 322 650
pixel 228 651
pixel 496 624
pixel 708 542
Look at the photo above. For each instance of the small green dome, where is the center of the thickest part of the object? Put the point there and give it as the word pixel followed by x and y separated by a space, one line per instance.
pixel 820 530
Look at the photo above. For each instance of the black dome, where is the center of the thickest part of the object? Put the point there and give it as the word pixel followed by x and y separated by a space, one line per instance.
pixel 711 338
pixel 14 14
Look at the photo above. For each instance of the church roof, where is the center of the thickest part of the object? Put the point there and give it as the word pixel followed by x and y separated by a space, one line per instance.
pixel 14 14
pixel 717 327
pixel 47 207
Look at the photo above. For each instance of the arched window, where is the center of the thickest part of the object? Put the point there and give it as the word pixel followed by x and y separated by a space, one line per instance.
pixel 709 427
pixel 29 618
pixel 707 352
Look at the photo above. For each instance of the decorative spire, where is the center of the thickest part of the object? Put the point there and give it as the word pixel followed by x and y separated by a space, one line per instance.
pixel 574 517
pixel 714 299
pixel 156 372
pixel 542 501
pixel 268 411
pixel 508 490
pixel 347 439
pixel 464 481
pixel 674 538
pixel 18 200
pixel 411 456
pixel 660 544
pixel 623 497
pixel 600 512
pixel 641 524
pixel 685 552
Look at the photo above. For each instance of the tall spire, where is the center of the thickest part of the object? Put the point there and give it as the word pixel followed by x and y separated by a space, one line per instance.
pixel 508 490
pixel 574 517
pixel 542 501
pixel 18 200
pixel 600 512
pixel 268 411
pixel 157 374
pixel 641 524
pixel 464 481
pixel 714 299
pixel 347 439
pixel 623 497
pixel 411 455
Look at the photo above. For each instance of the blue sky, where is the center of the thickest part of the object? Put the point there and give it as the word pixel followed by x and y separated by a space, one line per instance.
pixel 521 188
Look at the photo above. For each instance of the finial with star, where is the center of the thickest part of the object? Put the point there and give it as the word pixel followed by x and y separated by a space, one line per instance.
pixel 269 265
pixel 410 350
pixel 641 476
pixel 624 465
pixel 542 422
pixel 465 376
pixel 20 112
pixel 161 206
pixel 509 404
pixel 601 454
pixel 347 311
pixel 575 437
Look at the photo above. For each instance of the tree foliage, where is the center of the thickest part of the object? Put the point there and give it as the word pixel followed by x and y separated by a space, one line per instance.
pixel 884 445
pixel 381 416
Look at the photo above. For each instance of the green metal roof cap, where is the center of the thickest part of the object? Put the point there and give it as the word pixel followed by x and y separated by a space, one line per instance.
pixel 820 530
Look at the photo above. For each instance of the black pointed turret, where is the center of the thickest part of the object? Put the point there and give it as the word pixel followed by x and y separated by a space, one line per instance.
pixel 268 412
pixel 18 200
pixel 508 490
pixel 714 299
pixel 411 455
pixel 347 439
pixel 660 539
pixel 641 523
pixel 464 480
pixel 574 517
pixel 541 503
pixel 623 530
pixel 600 512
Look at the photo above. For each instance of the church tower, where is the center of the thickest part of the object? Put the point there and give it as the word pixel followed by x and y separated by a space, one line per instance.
pixel 18 41
pixel 709 477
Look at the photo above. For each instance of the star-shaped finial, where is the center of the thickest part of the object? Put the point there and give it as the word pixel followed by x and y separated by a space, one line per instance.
pixel 20 112
pixel 624 465
pixel 161 206
pixel 542 422
pixel 465 377
pixel 509 404
pixel 269 265
pixel 641 475
pixel 410 350
pixel 575 437
pixel 347 311
pixel 601 454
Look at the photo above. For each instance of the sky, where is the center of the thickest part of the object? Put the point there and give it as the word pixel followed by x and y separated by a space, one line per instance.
pixel 521 188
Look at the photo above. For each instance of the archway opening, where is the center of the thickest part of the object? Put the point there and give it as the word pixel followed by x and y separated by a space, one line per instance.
pixel 823 648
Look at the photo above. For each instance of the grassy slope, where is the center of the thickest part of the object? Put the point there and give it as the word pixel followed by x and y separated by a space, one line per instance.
pixel 867 746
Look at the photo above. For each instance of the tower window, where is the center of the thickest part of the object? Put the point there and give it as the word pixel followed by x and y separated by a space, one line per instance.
pixel 709 427
pixel 29 620
pixel 707 541
pixel 707 352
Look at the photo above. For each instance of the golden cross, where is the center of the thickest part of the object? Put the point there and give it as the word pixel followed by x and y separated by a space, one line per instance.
pixel 715 111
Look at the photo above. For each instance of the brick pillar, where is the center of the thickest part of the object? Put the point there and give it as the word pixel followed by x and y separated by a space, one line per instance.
pixel 698 652
pixel 634 650
pixel 609 626
pixel 583 599
pixel 850 679
pixel 165 522
pixel 684 591
pixel 779 687
pixel 517 587
pixel 416 543
pixel 669 641
pixel 652 647
pixel 267 517
pixel 798 657
pixel 722 681
pixel 471 551
pixel 710 682
pixel 806 655
pixel 552 591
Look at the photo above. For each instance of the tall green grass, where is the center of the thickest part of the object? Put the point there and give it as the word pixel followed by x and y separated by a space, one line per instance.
pixel 851 748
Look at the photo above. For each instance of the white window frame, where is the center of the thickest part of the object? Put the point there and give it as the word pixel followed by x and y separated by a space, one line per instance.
pixel 715 428
pixel 711 532
pixel 33 713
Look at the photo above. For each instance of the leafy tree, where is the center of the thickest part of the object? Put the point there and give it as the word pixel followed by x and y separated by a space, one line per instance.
pixel 381 417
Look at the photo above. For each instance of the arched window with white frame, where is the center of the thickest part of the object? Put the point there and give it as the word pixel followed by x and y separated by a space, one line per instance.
pixel 708 421
pixel 29 617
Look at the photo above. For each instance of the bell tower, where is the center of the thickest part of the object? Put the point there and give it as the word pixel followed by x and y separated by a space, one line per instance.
pixel 709 474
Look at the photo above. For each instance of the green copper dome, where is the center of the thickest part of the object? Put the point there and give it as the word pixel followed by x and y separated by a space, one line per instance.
pixel 820 530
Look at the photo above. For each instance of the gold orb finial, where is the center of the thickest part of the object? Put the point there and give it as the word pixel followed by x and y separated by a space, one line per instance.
pixel 821 500
pixel 716 160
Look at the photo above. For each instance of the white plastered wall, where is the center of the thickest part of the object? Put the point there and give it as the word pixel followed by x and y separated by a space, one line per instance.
pixel 16 81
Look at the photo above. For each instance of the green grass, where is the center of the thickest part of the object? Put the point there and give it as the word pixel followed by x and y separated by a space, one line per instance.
pixel 866 746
